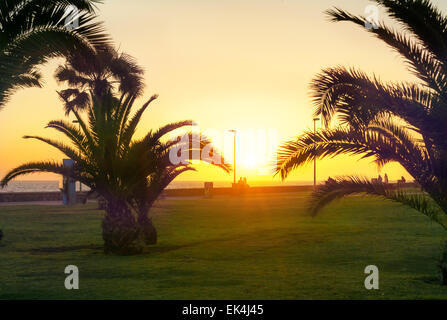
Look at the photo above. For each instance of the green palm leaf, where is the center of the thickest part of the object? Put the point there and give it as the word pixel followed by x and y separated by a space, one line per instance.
pixel 33 31
pixel 346 186
pixel 388 122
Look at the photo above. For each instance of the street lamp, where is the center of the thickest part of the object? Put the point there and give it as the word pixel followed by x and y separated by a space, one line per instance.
pixel 234 154
pixel 315 156
pixel 80 184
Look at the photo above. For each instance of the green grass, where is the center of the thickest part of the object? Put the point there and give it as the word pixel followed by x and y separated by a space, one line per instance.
pixel 259 247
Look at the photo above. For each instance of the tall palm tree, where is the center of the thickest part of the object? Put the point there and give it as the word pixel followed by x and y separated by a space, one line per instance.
pixel 390 122
pixel 128 173
pixel 33 31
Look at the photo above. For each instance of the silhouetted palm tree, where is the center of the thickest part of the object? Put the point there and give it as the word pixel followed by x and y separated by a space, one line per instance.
pixel 103 72
pixel 33 31
pixel 130 174
pixel 395 122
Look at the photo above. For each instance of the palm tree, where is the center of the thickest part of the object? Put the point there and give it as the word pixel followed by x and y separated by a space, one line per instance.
pixel 33 31
pixel 389 122
pixel 103 72
pixel 128 173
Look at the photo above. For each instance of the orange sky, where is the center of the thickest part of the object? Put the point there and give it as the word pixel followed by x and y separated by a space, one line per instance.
pixel 233 64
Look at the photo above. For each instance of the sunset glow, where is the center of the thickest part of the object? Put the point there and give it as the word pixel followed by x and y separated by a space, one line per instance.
pixel 223 159
pixel 226 64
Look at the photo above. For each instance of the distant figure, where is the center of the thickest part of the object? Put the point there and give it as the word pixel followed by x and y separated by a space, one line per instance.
pixel 241 186
pixel 386 180
pixel 242 182
pixel 379 179
pixel 401 182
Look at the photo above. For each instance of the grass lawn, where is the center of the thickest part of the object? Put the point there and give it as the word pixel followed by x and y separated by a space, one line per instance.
pixel 258 247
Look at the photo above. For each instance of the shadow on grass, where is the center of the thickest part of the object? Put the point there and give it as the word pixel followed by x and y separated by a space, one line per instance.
pixel 65 210
pixel 429 280
pixel 63 249
pixel 151 250
pixel 159 248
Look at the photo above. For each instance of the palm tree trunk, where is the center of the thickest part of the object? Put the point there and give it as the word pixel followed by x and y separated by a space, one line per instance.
pixel 148 231
pixel 147 228
pixel 120 230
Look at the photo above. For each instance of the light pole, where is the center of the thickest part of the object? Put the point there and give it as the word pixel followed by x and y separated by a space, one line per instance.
pixel 234 154
pixel 315 156
pixel 80 184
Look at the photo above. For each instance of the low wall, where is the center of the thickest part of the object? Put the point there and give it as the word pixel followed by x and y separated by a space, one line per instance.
pixel 197 192
pixel 230 191
pixel 57 196
pixel 254 190
pixel 30 196
pixel 35 196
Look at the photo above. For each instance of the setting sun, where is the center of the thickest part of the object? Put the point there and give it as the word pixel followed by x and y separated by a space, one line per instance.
pixel 231 156
pixel 251 162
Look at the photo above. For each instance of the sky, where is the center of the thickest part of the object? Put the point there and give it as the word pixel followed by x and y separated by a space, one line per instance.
pixel 233 64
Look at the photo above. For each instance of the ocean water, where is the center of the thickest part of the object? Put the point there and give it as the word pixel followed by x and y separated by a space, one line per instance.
pixel 54 186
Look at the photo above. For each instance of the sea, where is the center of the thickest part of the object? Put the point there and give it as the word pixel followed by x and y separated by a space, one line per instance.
pixel 54 186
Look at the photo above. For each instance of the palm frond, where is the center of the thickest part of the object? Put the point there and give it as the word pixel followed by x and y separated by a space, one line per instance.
pixel 346 186
pixel 131 126
pixel 75 135
pixel 357 100
pixel 384 141
pixel 36 167
pixel 422 62
pixel 161 132
pixel 66 150
pixel 34 31
pixel 424 20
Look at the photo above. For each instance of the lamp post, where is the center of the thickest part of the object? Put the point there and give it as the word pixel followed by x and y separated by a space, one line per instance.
pixel 234 154
pixel 80 184
pixel 315 159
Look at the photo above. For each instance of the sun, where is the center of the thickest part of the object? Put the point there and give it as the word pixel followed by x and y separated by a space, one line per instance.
pixel 250 162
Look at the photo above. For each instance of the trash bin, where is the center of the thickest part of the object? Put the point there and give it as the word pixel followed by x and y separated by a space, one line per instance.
pixel 209 189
